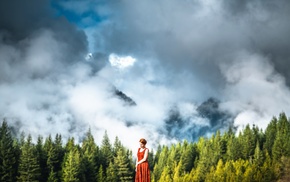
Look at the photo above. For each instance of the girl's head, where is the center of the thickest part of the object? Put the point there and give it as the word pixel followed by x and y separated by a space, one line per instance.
pixel 142 142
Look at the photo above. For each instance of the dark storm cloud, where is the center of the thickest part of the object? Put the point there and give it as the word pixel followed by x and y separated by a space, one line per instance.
pixel 39 55
pixel 47 86
pixel 19 18
pixel 198 35
pixel 31 28
pixel 236 51
pixel 186 52
pixel 269 26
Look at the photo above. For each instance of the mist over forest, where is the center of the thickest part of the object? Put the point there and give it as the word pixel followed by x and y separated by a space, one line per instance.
pixel 167 71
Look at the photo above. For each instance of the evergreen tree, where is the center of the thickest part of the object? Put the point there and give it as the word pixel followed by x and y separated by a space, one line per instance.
pixel 285 169
pixel 233 148
pixel 7 154
pixel 161 163
pixel 70 145
pixel 41 159
pixel 258 156
pixel 52 177
pixel 166 175
pixel 231 174
pixel 89 151
pixel 29 169
pixel 59 150
pixel 281 145
pixel 157 154
pixel 204 162
pixel 100 176
pixel 178 172
pixel 220 173
pixel 122 163
pixel 117 146
pixel 52 159
pixel 270 135
pixel 71 168
pixel 150 160
pixel 188 157
pixel 172 159
pixel 248 142
pixel 106 151
pixel 112 173
pixel 267 169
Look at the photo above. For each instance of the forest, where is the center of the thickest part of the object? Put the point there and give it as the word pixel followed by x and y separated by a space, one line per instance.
pixel 249 155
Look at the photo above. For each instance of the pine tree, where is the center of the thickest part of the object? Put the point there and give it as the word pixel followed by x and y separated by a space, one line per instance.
pixel 188 157
pixel 52 159
pixel 52 177
pixel 248 142
pixel 89 150
pixel 70 145
pixel 219 172
pixel 233 148
pixel 29 169
pixel 267 169
pixel 166 175
pixel 258 156
pixel 42 158
pixel 71 168
pixel 112 173
pixel 7 154
pixel 172 159
pixel 100 176
pixel 122 163
pixel 285 170
pixel 178 173
pixel 231 174
pixel 59 150
pixel 270 135
pixel 161 163
pixel 106 151
pixel 117 146
pixel 281 146
pixel 150 159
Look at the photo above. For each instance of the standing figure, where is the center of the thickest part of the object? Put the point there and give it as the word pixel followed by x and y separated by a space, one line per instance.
pixel 142 165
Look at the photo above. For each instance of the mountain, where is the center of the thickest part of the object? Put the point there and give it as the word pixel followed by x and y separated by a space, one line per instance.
pixel 127 100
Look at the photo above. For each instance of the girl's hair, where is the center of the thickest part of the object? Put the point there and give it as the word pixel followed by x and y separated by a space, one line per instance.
pixel 142 140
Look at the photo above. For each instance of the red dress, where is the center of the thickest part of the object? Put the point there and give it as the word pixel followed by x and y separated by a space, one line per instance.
pixel 143 172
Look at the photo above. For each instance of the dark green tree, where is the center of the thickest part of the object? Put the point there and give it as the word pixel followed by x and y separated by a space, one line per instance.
pixel 281 146
pixel 117 146
pixel 122 162
pixel 234 151
pixel 7 154
pixel 106 151
pixel 258 156
pixel 42 158
pixel 101 176
pixel 29 169
pixel 52 159
pixel 188 157
pixel 161 163
pixel 248 142
pixel 270 135
pixel 59 154
pixel 89 151
pixel 112 173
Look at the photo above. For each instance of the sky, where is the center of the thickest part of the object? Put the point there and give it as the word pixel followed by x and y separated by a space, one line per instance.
pixel 192 67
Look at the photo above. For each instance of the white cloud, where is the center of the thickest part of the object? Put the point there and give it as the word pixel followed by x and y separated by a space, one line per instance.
pixel 254 92
pixel 121 62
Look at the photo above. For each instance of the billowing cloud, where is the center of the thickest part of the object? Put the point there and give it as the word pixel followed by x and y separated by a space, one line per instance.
pixel 191 67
